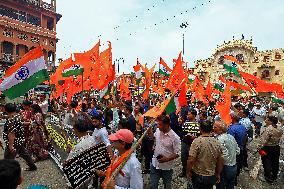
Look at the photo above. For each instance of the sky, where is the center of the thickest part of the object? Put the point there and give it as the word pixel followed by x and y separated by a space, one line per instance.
pixel 84 22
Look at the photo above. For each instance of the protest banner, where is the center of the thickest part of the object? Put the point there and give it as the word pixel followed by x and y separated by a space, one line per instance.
pixel 82 167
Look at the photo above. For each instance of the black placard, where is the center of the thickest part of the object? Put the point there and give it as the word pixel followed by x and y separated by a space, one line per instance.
pixel 80 168
pixel 191 129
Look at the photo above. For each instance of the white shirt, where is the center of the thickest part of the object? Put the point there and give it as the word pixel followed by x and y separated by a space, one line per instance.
pixel 101 135
pixel 83 144
pixel 132 178
pixel 230 148
pixel 167 144
pixel 246 122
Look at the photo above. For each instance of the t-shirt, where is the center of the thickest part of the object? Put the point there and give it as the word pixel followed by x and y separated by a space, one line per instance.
pixel 14 124
pixel 239 132
pixel 206 151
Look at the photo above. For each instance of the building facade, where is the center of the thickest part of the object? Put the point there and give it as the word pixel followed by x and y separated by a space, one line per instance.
pixel 267 65
pixel 25 24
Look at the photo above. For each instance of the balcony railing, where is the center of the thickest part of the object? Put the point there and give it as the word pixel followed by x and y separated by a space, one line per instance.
pixel 9 58
pixel 39 3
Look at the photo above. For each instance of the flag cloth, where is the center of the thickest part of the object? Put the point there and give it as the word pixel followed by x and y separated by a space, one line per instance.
pixel 26 74
pixel 209 90
pixel 220 86
pixel 138 73
pixel 74 70
pixel 238 86
pixel 231 65
pixel 260 85
pixel 164 70
pixel 191 78
pixel 177 75
pixel 278 100
pixel 105 91
pixel 223 106
pixel 157 110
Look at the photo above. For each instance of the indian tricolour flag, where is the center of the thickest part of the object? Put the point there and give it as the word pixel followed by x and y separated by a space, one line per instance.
pixel 105 91
pixel 74 70
pixel 191 78
pixel 231 64
pixel 138 73
pixel 25 74
pixel 278 99
pixel 220 86
pixel 164 69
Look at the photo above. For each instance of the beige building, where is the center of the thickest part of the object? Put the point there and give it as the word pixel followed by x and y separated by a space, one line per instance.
pixel 268 65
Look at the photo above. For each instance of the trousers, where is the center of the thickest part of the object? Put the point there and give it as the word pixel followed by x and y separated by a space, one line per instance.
pixel 23 153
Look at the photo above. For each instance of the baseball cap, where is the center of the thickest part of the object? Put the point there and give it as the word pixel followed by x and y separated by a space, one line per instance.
pixel 124 135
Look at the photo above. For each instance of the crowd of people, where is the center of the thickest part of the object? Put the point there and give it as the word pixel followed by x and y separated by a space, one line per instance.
pixel 211 152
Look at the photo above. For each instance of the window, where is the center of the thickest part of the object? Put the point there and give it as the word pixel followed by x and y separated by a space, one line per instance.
pixel 50 23
pixel 11 13
pixel 240 58
pixel 265 74
pixel 277 72
pixel 33 20
pixel 277 56
pixel 22 16
pixel 266 59
pixel 221 60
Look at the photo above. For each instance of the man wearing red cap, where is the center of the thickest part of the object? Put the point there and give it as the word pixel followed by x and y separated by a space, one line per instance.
pixel 130 175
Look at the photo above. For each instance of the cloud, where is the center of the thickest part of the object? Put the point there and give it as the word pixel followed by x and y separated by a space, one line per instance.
pixel 210 25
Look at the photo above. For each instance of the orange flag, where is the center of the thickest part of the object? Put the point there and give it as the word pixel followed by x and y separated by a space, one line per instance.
pixel 124 90
pixel 182 96
pixel 223 106
pixel 148 78
pixel 260 85
pixel 177 75
pixel 209 90
pixel 198 89
pixel 238 86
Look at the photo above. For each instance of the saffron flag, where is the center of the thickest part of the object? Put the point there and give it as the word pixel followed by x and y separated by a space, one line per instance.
pixel 260 85
pixel 177 74
pixel 26 74
pixel 223 106
pixel 231 64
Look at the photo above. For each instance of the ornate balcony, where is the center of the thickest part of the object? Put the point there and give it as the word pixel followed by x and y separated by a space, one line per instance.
pixel 8 58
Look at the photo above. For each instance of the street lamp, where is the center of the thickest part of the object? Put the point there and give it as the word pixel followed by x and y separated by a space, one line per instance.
pixel 184 25
pixel 117 61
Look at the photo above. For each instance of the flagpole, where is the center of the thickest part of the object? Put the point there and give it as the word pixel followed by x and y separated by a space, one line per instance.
pixel 82 85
